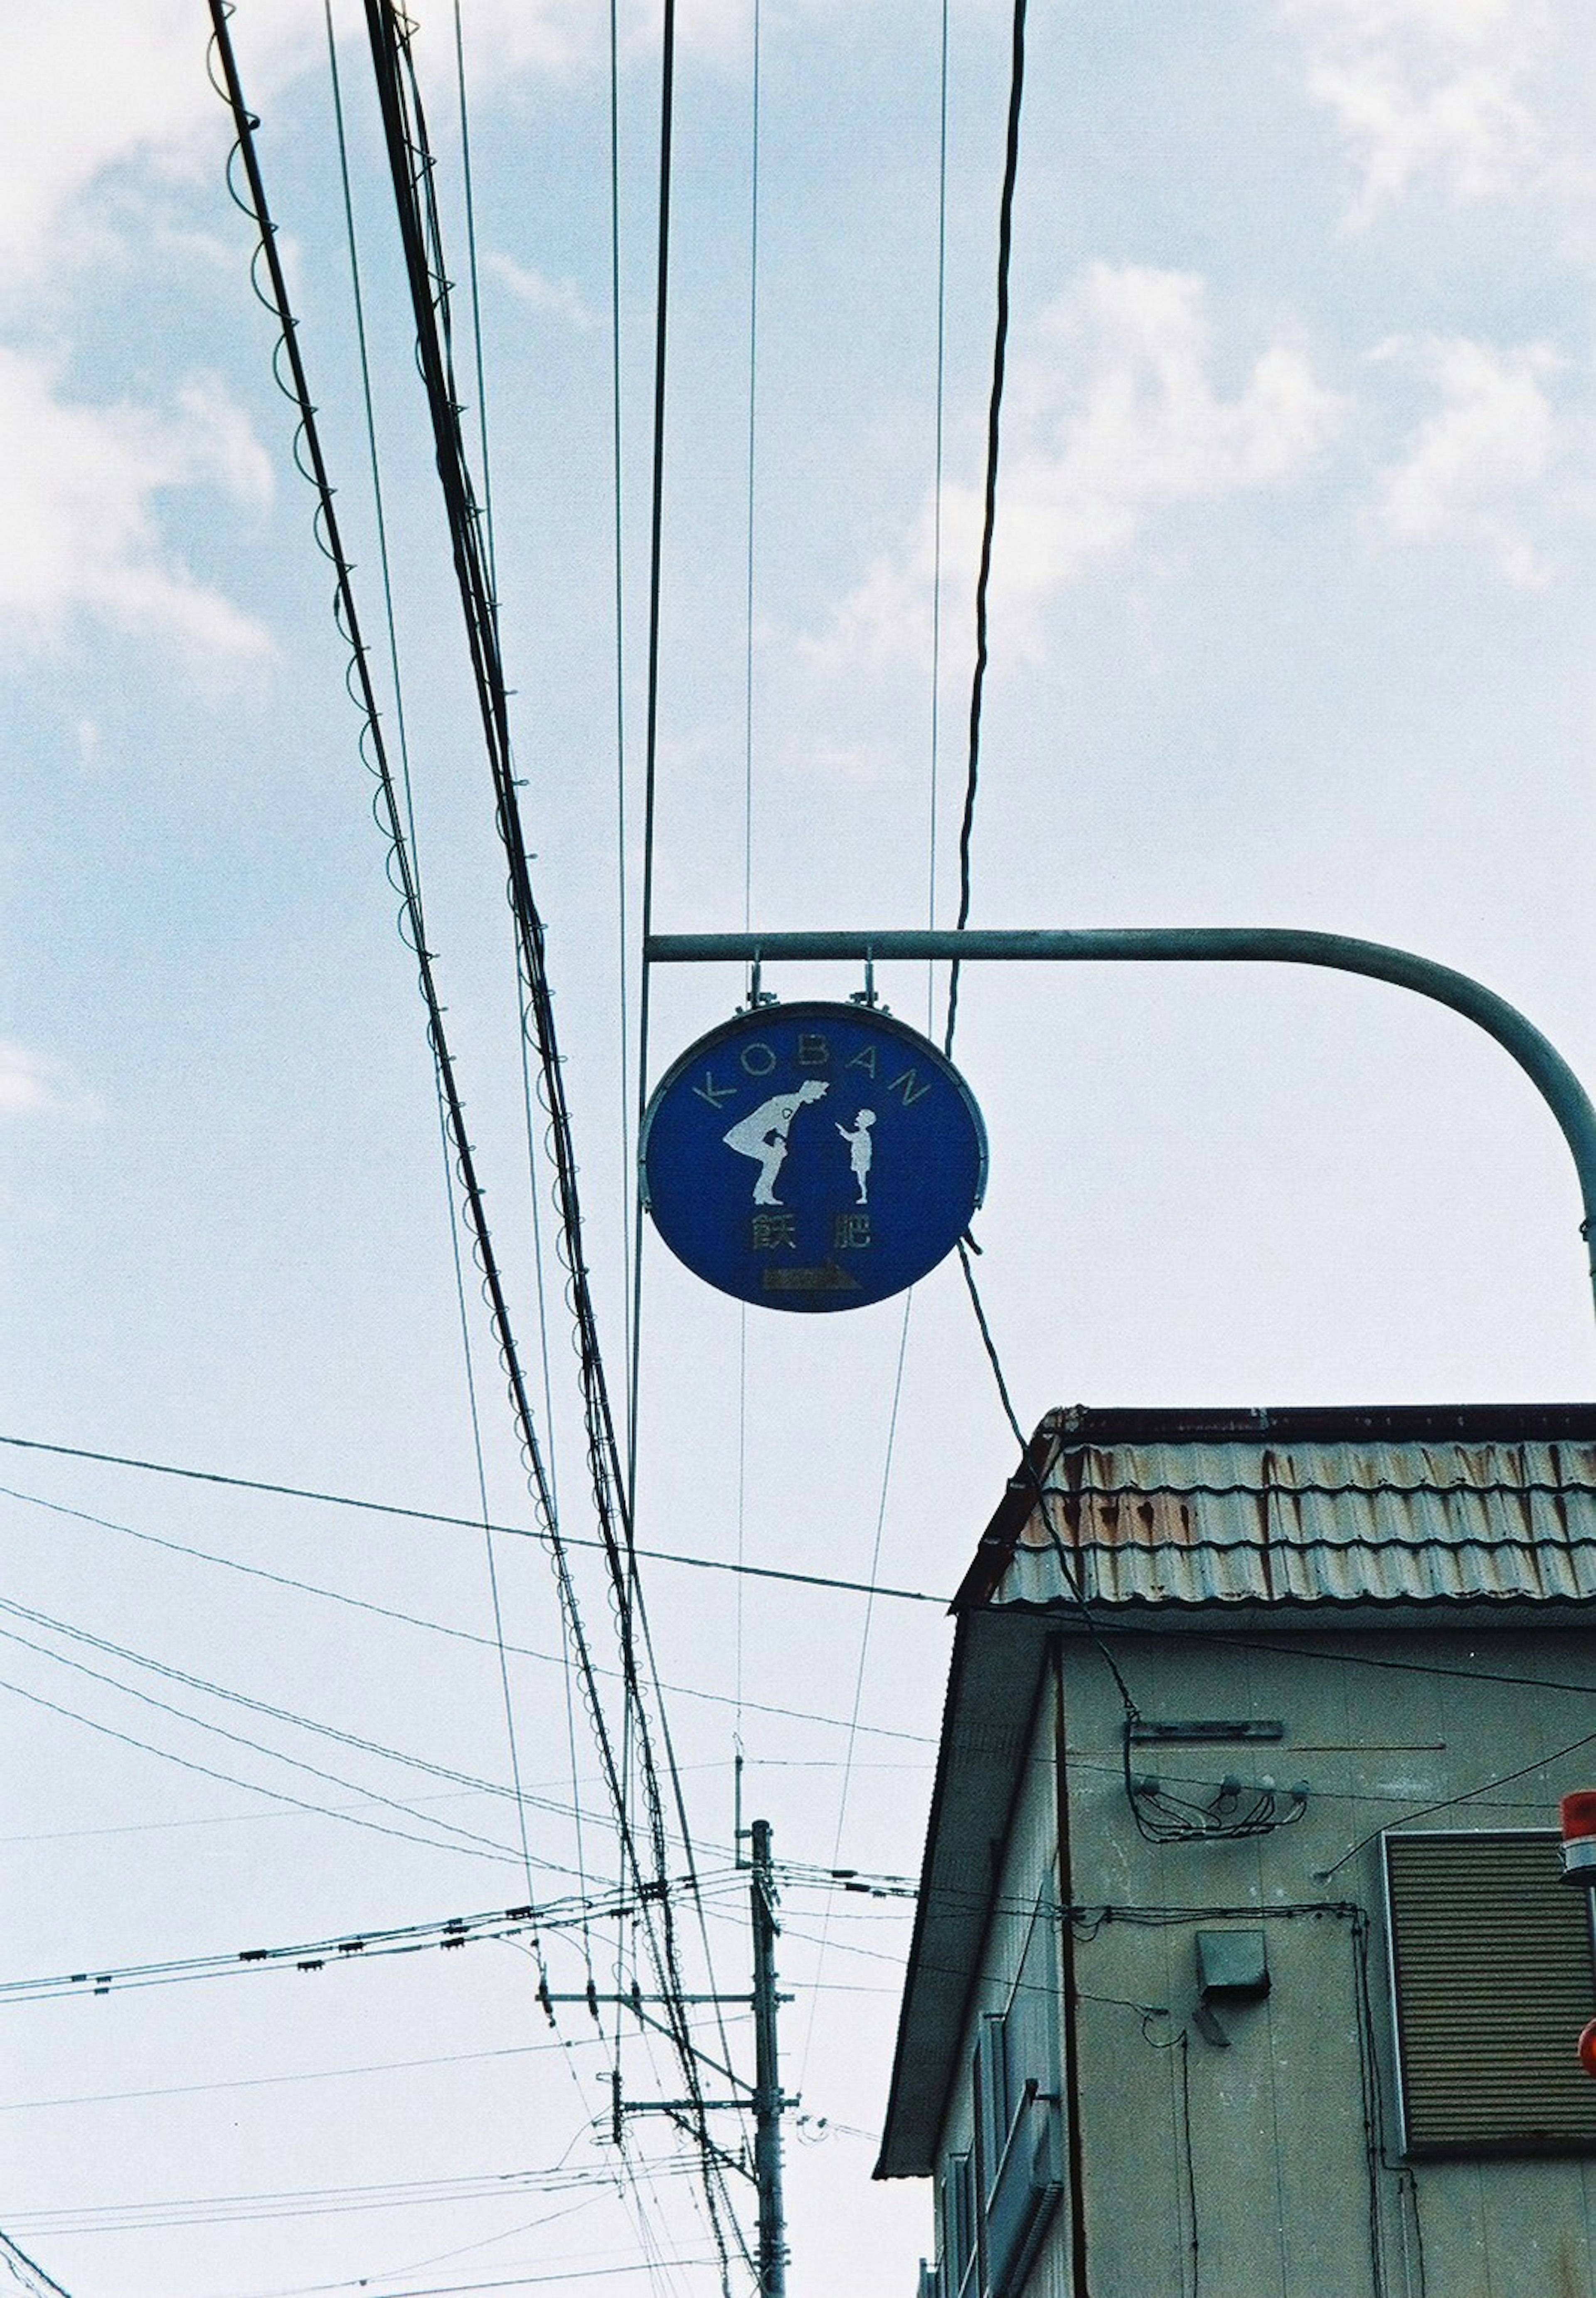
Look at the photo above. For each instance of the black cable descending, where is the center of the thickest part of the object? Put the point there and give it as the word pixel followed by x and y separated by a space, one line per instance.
pixel 385 566
pixel 273 294
pixel 27 2271
pixel 411 169
pixel 1032 1474
pixel 1005 240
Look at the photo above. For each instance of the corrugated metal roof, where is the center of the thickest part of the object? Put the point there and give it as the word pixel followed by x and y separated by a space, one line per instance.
pixel 1273 1519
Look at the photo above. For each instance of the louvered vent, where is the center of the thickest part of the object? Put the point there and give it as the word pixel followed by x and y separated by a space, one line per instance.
pixel 1494 1979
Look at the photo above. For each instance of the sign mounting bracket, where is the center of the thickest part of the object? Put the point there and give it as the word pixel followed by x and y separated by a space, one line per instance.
pixel 1535 1054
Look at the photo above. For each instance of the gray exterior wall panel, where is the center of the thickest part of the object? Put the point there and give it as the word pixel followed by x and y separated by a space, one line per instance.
pixel 1420 1616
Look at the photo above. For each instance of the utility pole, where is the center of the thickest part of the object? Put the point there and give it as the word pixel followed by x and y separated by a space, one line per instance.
pixel 768 2101
pixel 765 2099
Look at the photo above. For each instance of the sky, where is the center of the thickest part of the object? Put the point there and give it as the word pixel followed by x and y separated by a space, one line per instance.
pixel 1291 624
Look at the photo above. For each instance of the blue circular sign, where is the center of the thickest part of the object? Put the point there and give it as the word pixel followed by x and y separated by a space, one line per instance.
pixel 813 1157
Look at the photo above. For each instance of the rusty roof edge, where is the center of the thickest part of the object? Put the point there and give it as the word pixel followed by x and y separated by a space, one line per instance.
pixel 995 1548
pixel 1285 1615
pixel 1119 1424
pixel 1379 1487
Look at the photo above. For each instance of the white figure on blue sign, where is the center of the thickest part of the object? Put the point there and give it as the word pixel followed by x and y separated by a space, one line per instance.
pixel 762 1135
pixel 860 1148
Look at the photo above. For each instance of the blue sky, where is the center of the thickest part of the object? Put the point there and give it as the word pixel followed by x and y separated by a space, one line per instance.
pixel 1292 624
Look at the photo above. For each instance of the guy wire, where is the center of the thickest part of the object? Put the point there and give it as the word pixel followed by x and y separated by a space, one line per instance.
pixel 1005 239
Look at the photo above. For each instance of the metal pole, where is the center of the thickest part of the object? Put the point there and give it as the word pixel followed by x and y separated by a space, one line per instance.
pixel 768 2101
pixel 1536 1055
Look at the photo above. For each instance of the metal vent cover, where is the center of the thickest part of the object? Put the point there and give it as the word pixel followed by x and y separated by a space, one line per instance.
pixel 1493 1977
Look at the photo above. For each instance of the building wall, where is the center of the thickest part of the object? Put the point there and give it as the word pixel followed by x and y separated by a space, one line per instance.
pixel 1271 2168
pixel 1025 1880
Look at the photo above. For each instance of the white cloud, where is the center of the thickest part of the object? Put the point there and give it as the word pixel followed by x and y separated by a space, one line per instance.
pixel 32 1085
pixel 1423 87
pixel 104 83
pixel 504 37
pixel 1114 414
pixel 559 299
pixel 79 485
pixel 1467 467
pixel 88 89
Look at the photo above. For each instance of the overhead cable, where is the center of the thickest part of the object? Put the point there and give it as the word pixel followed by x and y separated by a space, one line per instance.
pixel 469 1636
pixel 461 1523
pixel 273 294
pixel 463 1837
pixel 253 1787
pixel 411 170
pixel 25 2271
pixel 322 1954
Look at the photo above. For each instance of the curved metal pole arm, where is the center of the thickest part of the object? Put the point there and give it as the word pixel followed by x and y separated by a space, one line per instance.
pixel 1536 1055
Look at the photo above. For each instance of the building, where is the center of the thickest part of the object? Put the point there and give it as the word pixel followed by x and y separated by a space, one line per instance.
pixel 1243 1966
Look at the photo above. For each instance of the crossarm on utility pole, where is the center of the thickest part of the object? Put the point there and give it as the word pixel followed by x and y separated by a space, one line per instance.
pixel 1535 1054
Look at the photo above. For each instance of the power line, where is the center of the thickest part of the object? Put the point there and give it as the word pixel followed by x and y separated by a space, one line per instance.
pixel 253 1787
pixel 235 1699
pixel 322 2201
pixel 26 2271
pixel 460 1635
pixel 935 728
pixel 847 1769
pixel 385 567
pixel 411 171
pixel 458 1523
pixel 273 294
pixel 274 2082
pixel 322 1954
pixel 466 1836
pixel 1109 1625
pixel 384 2285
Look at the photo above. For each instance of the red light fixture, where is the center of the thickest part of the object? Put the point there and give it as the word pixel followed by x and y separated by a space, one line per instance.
pixel 1587 2049
pixel 1576 1814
